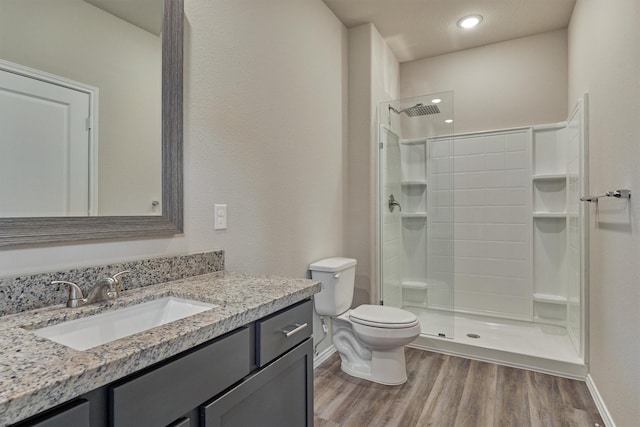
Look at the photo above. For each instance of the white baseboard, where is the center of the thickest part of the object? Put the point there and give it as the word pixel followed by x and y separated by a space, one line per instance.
pixel 602 408
pixel 321 357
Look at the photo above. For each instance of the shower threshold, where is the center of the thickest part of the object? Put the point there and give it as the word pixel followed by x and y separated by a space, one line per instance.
pixel 527 345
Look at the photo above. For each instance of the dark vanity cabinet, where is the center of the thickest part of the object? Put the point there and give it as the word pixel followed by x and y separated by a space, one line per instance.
pixel 280 391
pixel 258 375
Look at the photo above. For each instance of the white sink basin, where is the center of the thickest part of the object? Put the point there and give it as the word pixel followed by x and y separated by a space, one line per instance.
pixel 88 332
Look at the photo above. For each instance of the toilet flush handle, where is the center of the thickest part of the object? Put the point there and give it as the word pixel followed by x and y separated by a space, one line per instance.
pixel 336 276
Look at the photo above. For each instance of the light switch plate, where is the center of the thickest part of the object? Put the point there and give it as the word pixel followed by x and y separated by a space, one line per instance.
pixel 220 217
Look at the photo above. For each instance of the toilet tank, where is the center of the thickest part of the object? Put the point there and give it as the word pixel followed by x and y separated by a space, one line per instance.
pixel 337 276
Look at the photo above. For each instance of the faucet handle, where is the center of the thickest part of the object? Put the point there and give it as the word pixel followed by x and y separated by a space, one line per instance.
pixel 76 298
pixel 118 282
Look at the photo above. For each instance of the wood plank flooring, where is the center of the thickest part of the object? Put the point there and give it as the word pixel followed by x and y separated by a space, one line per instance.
pixel 451 391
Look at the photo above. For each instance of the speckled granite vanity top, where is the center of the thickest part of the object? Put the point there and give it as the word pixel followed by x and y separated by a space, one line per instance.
pixel 37 374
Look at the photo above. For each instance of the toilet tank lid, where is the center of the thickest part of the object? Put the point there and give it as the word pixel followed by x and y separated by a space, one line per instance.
pixel 333 264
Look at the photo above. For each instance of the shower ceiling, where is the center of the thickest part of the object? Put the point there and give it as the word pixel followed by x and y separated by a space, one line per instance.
pixel 416 29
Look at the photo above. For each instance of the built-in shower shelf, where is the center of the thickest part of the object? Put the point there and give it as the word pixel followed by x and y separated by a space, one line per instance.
pixel 417 183
pixel 414 215
pixel 414 141
pixel 549 214
pixel 550 299
pixel 412 284
pixel 550 177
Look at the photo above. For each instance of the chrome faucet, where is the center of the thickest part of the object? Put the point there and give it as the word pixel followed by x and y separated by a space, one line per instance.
pixel 105 289
pixel 392 203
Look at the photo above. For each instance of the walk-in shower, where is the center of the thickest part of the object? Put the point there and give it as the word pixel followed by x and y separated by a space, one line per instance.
pixel 487 246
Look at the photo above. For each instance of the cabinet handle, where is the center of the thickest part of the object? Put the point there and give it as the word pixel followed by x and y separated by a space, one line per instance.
pixel 296 328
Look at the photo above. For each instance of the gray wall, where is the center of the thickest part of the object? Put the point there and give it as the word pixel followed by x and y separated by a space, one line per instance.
pixel 265 132
pixel 515 83
pixel 604 60
pixel 265 112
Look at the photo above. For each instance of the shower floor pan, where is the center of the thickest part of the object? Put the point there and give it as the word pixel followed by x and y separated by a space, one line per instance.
pixel 542 348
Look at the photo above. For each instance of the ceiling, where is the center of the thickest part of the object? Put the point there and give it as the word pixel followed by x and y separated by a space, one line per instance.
pixel 416 29
pixel 146 14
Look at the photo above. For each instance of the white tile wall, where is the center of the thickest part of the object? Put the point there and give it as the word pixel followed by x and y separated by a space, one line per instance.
pixel 492 208
pixel 440 222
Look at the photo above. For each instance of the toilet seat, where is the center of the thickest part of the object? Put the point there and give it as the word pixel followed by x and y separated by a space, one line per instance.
pixel 379 316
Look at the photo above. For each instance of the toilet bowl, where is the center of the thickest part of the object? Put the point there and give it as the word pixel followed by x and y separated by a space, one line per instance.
pixel 370 339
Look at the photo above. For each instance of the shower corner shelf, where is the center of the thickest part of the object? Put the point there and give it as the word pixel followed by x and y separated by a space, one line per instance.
pixel 415 182
pixel 414 215
pixel 412 284
pixel 550 177
pixel 409 284
pixel 549 214
pixel 549 299
pixel 413 141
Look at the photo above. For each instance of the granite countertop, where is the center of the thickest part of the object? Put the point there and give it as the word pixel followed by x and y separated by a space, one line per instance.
pixel 37 374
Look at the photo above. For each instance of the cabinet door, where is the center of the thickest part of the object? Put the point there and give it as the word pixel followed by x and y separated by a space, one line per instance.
pixel 279 395
pixel 160 396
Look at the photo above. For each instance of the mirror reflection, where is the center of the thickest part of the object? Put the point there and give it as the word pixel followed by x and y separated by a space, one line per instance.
pixel 80 108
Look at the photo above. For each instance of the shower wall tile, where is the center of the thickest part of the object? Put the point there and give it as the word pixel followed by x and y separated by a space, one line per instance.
pixel 465 147
pixel 518 159
pixel 506 214
pixel 492 249
pixel 492 161
pixel 493 143
pixel 505 197
pixel 470 214
pixel 468 232
pixel 506 306
pixel 490 284
pixel 515 142
pixel 517 178
pixel 441 149
pixel 492 258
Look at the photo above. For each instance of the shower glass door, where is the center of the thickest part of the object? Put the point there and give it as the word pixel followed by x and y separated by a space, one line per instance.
pixel 416 209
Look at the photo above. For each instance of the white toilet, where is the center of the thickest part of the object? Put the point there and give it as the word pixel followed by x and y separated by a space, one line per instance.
pixel 370 338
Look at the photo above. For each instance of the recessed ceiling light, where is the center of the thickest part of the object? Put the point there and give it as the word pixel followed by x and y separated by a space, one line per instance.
pixel 469 21
pixel 436 100
pixel 449 121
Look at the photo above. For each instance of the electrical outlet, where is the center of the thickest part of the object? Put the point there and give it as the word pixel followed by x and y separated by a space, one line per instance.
pixel 220 214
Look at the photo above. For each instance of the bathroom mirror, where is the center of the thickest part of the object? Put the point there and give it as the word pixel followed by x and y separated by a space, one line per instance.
pixel 167 218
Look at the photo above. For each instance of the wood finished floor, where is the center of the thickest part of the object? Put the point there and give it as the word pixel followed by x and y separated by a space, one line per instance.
pixel 451 391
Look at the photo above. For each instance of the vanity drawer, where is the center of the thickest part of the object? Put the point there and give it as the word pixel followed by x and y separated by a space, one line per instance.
pixel 283 330
pixel 162 395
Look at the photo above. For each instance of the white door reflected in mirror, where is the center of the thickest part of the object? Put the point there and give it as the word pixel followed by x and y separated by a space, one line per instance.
pixel 47 124
pixel 106 45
